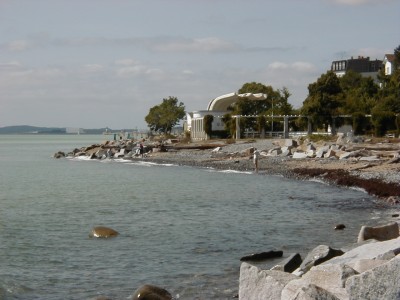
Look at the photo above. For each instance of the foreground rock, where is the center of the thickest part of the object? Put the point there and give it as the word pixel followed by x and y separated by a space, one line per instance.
pixel 380 233
pixel 369 271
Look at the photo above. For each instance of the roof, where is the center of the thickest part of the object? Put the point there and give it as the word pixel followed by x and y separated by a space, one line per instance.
pixel 389 57
pixel 222 103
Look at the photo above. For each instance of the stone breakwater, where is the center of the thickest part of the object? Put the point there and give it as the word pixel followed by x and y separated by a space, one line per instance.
pixel 368 271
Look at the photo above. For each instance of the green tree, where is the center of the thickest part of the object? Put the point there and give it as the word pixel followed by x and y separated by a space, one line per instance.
pixel 323 100
pixel 163 117
pixel 359 93
pixel 207 124
pixel 276 103
pixel 229 124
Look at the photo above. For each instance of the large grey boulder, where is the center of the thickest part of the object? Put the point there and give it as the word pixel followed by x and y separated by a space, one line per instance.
pixel 298 154
pixel 257 284
pixel 368 251
pixel 366 264
pixel 380 233
pixel 382 282
pixel 331 278
pixel 289 264
pixel 291 143
pixel 313 292
pixel 317 256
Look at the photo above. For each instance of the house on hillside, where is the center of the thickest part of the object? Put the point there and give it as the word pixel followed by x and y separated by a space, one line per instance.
pixel 388 63
pixel 362 65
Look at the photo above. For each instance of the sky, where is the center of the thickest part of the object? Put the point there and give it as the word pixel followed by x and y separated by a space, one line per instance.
pixel 105 63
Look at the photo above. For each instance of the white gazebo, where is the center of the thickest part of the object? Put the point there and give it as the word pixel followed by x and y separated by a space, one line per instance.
pixel 217 107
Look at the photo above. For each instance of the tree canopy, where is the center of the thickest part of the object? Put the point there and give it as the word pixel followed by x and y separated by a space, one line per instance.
pixel 163 117
pixel 276 103
pixel 353 94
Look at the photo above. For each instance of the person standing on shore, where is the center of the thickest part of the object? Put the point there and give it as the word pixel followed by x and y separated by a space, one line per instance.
pixel 256 155
pixel 141 149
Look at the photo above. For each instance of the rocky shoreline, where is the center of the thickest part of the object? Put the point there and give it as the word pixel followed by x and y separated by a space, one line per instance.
pixel 368 270
pixel 372 165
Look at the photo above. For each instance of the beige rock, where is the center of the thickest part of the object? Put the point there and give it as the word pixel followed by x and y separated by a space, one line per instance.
pixel 103 232
pixel 380 233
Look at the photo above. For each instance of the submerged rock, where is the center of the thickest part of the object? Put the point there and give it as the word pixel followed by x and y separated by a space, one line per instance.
pixel 262 256
pixel 151 292
pixel 103 232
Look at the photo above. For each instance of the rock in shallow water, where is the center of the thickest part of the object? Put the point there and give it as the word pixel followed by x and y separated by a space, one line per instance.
pixel 151 292
pixel 103 232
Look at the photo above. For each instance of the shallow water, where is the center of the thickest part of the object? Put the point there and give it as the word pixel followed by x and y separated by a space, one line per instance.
pixel 181 228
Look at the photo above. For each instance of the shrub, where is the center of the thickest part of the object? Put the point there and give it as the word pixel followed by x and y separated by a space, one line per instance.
pixel 360 123
pixel 382 122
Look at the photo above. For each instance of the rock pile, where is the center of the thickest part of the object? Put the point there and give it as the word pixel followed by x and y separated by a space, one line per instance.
pixel 108 149
pixel 341 149
pixel 371 270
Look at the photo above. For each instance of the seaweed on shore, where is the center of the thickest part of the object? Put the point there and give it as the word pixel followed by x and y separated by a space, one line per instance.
pixel 372 186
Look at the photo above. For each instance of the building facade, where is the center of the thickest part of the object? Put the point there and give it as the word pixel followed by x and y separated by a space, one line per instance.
pixel 362 65
pixel 388 63
pixel 217 107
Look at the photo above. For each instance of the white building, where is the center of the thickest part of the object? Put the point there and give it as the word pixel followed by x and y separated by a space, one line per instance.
pixel 388 62
pixel 217 107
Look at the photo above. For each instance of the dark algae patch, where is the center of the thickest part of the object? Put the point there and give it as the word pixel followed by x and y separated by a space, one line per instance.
pixel 373 186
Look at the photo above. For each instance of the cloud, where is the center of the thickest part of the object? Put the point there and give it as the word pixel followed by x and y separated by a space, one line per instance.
pixel 296 66
pixel 154 44
pixel 10 65
pixel 92 68
pixel 130 71
pixel 360 2
pixel 125 62
pixel 209 44
pixel 18 45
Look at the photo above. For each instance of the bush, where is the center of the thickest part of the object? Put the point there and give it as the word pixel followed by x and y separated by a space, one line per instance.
pixel 207 124
pixel 382 122
pixel 360 123
pixel 219 134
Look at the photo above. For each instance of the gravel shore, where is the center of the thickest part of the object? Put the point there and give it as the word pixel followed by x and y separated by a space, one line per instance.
pixel 378 178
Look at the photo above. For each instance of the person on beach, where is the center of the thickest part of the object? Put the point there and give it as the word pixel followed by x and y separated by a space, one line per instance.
pixel 256 155
pixel 141 150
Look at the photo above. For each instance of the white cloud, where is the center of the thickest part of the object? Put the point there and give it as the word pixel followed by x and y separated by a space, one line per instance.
pixel 360 2
pixel 278 65
pixel 10 65
pixel 18 45
pixel 130 71
pixel 209 44
pixel 125 62
pixel 187 72
pixel 92 68
pixel 299 66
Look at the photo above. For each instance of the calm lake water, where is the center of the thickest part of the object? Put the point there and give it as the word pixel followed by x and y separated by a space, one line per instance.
pixel 181 228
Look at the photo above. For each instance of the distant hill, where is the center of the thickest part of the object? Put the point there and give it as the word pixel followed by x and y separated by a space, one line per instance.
pixel 26 129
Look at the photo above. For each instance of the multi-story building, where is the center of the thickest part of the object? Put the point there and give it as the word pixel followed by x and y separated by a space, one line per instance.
pixel 362 65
